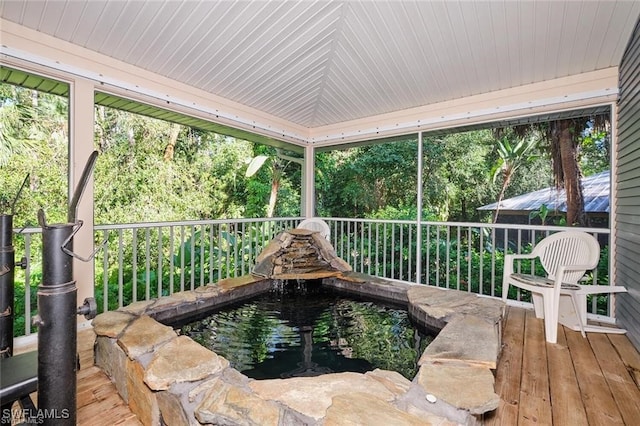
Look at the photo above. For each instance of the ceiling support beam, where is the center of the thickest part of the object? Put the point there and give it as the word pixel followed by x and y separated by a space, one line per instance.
pixel 308 182
pixel 551 96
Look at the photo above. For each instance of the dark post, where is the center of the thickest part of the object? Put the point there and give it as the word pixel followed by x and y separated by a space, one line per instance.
pixel 7 270
pixel 56 320
pixel 7 276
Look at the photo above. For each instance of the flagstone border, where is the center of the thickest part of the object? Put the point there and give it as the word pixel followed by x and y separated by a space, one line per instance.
pixel 163 375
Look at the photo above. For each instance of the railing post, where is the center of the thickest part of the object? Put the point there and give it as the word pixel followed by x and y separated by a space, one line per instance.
pixel 419 200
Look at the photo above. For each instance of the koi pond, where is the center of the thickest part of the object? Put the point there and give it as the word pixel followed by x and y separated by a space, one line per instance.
pixel 301 328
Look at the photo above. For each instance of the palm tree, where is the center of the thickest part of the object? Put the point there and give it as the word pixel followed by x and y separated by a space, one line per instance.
pixel 276 175
pixel 563 138
pixel 511 158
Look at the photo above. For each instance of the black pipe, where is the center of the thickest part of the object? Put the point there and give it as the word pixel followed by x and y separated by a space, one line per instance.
pixel 57 310
pixel 7 274
pixel 56 320
pixel 72 214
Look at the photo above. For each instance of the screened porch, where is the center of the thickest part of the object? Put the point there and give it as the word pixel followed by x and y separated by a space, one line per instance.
pixel 308 77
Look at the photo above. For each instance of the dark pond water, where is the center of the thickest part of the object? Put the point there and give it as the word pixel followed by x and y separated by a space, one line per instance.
pixel 303 329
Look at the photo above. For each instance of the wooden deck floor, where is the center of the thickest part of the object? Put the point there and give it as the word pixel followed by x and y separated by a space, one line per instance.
pixel 578 381
pixel 98 401
pixel 592 381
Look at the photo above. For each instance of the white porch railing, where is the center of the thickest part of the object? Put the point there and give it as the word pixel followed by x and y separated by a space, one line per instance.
pixel 455 255
pixel 144 260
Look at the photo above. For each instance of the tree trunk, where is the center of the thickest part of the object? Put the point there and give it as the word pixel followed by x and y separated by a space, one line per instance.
pixel 171 146
pixel 100 123
pixel 566 141
pixel 505 184
pixel 275 185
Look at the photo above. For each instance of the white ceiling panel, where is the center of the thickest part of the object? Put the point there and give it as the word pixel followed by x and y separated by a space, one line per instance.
pixel 124 20
pixel 316 63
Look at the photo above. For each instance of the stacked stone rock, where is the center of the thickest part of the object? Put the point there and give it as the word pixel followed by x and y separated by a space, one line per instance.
pixel 299 254
pixel 163 375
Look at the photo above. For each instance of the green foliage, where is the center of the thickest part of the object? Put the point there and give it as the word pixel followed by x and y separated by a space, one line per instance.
pixel 150 170
pixel 204 254
pixel 513 156
pixel 357 182
pixel 454 175
pixel 361 180
pixel 19 324
pixel 595 150
pixel 400 213
pixel 274 173
pixel 33 141
pixel 255 164
pixel 542 213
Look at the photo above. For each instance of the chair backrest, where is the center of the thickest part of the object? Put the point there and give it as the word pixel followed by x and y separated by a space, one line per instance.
pixel 316 224
pixel 568 248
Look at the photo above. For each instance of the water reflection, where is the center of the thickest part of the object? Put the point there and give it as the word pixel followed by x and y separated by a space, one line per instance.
pixel 301 329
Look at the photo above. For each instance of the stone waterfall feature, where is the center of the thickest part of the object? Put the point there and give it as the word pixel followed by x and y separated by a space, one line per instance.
pixel 299 254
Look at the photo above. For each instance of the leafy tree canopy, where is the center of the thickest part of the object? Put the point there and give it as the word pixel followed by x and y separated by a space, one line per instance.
pixel 152 170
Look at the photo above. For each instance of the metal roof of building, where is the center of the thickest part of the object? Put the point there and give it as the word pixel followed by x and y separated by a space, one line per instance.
pixel 595 190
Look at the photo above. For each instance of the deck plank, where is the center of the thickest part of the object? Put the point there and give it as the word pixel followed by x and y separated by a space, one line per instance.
pixel 598 400
pixel 621 383
pixel 567 407
pixel 629 355
pixel 508 377
pixel 98 401
pixel 535 403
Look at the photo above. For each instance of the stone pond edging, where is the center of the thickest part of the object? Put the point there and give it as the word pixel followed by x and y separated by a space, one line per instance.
pixel 162 375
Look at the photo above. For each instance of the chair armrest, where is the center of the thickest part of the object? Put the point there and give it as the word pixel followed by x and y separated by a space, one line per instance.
pixel 562 269
pixel 601 289
pixel 520 256
pixel 509 262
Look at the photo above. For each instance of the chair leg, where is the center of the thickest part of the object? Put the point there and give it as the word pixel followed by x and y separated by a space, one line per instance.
pixel 539 305
pixel 550 318
pixel 505 290
pixel 575 301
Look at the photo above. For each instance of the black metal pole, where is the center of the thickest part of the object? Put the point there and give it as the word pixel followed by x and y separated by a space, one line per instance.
pixel 57 310
pixel 7 274
pixel 57 338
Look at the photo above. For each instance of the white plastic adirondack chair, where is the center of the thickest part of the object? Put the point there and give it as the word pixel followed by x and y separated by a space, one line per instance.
pixel 316 224
pixel 565 256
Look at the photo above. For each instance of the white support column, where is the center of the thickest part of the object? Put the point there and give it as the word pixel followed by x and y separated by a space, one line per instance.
pixel 419 196
pixel 613 208
pixel 81 118
pixel 308 198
